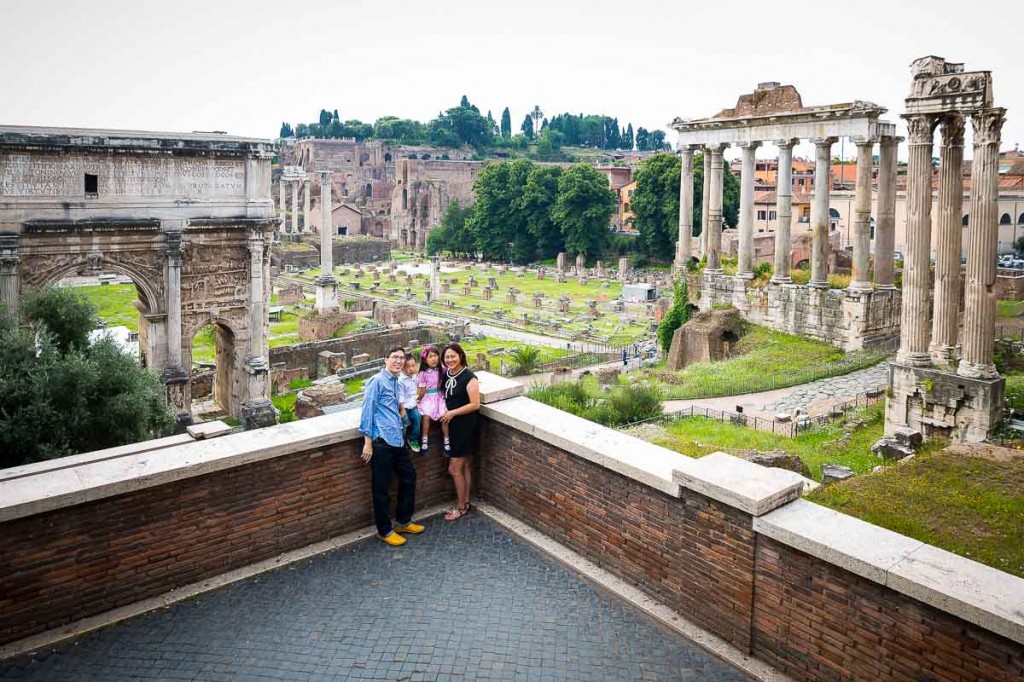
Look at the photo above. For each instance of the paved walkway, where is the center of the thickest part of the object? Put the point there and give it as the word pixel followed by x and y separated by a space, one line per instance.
pixel 814 398
pixel 464 601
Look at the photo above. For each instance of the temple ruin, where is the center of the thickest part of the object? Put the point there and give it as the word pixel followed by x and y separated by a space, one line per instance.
pixel 934 389
pixel 865 313
pixel 188 217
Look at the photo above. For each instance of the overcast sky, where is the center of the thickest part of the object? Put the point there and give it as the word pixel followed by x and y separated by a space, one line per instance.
pixel 246 66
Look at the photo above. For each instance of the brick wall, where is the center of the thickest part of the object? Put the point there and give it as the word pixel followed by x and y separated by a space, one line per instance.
pixel 82 560
pixel 816 621
pixel 693 554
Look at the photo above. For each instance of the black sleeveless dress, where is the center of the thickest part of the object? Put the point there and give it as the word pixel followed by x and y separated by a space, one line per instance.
pixel 462 430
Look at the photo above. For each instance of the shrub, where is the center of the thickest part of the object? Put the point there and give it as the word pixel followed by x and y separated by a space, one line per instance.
pixel 676 317
pixel 630 404
pixel 524 360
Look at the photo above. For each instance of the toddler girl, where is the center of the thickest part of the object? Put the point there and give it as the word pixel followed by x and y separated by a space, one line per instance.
pixel 430 396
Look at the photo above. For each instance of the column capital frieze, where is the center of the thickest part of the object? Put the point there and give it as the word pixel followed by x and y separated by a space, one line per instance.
pixel 921 128
pixel 953 130
pixel 325 175
pixel 890 140
pixel 864 140
pixel 988 125
pixel 824 141
pixel 752 145
pixel 717 148
pixel 786 144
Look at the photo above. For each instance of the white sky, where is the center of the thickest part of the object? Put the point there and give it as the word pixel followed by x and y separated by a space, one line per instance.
pixel 245 66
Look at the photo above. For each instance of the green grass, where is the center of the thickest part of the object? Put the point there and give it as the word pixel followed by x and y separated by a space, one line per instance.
pixel 825 444
pixel 114 303
pixel 763 360
pixel 353 386
pixel 971 506
pixel 352 327
pixel 1009 308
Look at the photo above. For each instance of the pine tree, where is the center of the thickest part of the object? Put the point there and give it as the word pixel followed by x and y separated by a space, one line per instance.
pixel 506 123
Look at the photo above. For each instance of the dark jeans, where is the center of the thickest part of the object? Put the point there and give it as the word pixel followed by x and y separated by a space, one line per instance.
pixel 388 459
pixel 413 423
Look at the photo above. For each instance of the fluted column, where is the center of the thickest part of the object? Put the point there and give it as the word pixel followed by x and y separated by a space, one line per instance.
pixel 704 205
pixel 980 299
pixel 783 211
pixel 885 225
pixel 945 322
pixel 174 258
pixel 326 285
pixel 745 266
pixel 257 324
pixel 819 210
pixel 295 207
pixel 914 313
pixel 281 205
pixel 9 277
pixel 683 247
pixel 861 281
pixel 306 185
pixel 715 189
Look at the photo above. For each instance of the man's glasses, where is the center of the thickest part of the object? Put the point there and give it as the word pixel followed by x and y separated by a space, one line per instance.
pixel 395 356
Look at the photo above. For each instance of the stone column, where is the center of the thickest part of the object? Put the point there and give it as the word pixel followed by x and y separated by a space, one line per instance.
pixel 174 376
pixel 885 223
pixel 980 299
pixel 705 206
pixel 914 313
pixel 683 246
pixel 306 186
pixel 435 278
pixel 257 410
pixel 715 187
pixel 745 269
pixel 295 207
pixel 861 281
pixel 326 285
pixel 9 277
pixel 945 323
pixel 819 210
pixel 281 204
pixel 784 211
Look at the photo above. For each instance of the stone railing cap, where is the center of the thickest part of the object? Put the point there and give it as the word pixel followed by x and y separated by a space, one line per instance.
pixel 494 388
pixel 750 487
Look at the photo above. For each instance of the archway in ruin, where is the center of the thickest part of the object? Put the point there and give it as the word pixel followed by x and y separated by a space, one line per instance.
pixel 212 353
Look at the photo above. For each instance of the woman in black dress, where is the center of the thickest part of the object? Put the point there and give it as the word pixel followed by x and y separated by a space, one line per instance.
pixel 462 400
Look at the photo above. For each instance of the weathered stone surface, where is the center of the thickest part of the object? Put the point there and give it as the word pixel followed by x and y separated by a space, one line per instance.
pixel 889 448
pixel 907 436
pixel 310 402
pixel 832 473
pixel 607 375
pixel 705 338
pixel 316 326
pixel 779 459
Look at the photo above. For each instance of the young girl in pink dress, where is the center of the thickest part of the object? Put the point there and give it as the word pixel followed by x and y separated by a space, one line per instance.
pixel 431 398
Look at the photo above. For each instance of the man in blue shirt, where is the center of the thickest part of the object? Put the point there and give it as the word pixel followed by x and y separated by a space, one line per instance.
pixel 384 449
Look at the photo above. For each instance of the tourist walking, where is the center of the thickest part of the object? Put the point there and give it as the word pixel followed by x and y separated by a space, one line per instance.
pixel 384 450
pixel 431 402
pixel 462 402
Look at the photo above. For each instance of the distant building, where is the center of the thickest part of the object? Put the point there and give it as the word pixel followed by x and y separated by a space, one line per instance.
pixel 626 214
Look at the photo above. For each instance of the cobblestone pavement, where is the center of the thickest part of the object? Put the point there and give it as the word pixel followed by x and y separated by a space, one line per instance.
pixel 463 601
pixel 827 392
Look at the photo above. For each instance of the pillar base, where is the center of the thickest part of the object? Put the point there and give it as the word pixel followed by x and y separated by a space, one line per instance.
pixel 914 359
pixel 744 275
pixel 257 414
pixel 818 285
pixel 941 404
pixel 860 287
pixel 781 280
pixel 942 355
pixel 326 294
pixel 971 370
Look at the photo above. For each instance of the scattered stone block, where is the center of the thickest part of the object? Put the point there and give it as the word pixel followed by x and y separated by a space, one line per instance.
pixel 890 448
pixel 908 437
pixel 780 459
pixel 310 402
pixel 208 430
pixel 833 473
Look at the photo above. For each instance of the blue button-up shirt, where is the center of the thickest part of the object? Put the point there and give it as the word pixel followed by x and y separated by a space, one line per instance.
pixel 380 418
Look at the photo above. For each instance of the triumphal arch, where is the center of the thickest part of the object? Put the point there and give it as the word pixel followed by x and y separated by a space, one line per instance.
pixel 187 216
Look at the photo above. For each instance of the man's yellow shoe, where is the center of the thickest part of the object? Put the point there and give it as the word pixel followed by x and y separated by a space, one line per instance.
pixel 410 527
pixel 393 539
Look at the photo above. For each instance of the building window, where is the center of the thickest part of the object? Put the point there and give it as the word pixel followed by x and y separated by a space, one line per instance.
pixel 92 185
pixel 1005 219
pixel 772 215
pixel 343 230
pixel 761 215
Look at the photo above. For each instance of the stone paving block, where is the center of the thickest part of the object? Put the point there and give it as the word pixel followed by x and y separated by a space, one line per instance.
pixel 463 601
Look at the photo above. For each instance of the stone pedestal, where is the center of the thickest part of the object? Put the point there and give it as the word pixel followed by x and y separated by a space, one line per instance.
pixel 942 404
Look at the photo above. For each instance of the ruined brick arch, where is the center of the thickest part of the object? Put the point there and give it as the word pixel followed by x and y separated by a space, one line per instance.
pixel 1020 219
pixel 229 352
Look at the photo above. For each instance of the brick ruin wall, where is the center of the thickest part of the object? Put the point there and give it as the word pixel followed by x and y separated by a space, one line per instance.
pixel 345 250
pixel 372 343
pixel 78 561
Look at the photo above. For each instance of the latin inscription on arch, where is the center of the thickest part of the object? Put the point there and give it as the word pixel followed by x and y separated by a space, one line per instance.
pixel 30 175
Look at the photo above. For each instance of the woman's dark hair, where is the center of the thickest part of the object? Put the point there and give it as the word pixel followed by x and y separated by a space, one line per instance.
pixel 427 350
pixel 458 350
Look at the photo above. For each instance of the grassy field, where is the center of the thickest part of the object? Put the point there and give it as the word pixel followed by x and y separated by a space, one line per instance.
pixel 969 505
pixel 826 444
pixel 114 304
pixel 609 327
pixel 1009 308
pixel 763 359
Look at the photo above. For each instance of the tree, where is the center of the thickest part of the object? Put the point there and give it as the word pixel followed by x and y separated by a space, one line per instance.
pixel 506 124
pixel 498 220
pixel 656 205
pixel 656 142
pixel 1018 245
pixel 60 396
pixel 677 315
pixel 730 195
pixel 464 102
pixel 325 118
pixel 527 127
pixel 642 140
pixel 453 233
pixel 627 139
pixel 539 197
pixel 583 209
pixel 286 130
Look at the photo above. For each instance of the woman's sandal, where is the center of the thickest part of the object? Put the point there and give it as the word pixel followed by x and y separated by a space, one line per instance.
pixel 456 513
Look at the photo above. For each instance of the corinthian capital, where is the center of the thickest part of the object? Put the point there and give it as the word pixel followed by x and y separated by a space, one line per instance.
pixel 953 131
pixel 921 128
pixel 787 143
pixel 988 126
